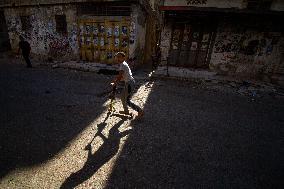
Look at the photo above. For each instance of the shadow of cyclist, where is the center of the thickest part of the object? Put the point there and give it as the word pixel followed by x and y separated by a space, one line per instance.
pixel 106 151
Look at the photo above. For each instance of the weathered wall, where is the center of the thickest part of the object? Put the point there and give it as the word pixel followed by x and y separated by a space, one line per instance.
pixel 277 5
pixel 165 43
pixel 4 37
pixel 45 2
pixel 240 51
pixel 250 53
pixel 138 23
pixel 44 39
pixel 207 3
pixel 46 42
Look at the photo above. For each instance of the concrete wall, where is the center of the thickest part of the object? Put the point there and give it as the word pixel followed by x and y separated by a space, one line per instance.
pixel 277 5
pixel 165 43
pixel 49 2
pixel 45 41
pixel 138 23
pixel 240 51
pixel 207 3
pixel 4 37
pixel 137 29
pixel 250 54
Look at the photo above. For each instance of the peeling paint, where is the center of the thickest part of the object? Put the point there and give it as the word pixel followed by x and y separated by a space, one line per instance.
pixel 42 36
pixel 250 53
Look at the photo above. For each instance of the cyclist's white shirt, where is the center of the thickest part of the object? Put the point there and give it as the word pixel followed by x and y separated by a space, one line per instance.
pixel 127 74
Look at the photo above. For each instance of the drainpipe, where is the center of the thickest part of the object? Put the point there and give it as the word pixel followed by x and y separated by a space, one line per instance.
pixel 168 66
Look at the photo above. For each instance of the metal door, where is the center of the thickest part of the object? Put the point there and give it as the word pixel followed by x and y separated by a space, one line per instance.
pixel 190 45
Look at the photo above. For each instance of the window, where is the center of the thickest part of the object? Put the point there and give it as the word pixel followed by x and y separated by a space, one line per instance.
pixel 61 24
pixel 26 23
pixel 259 4
pixel 105 9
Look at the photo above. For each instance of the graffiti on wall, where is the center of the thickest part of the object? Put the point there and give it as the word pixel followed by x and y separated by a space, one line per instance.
pixel 229 46
pixel 42 34
pixel 258 52
pixel 196 2
pixel 14 25
pixel 165 43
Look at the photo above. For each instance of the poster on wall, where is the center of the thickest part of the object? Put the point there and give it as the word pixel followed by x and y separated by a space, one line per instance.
pixel 102 42
pixel 194 46
pixel 102 29
pixel 132 39
pixel 116 30
pixel 175 40
pixel 95 29
pixel 88 41
pixel 109 31
pixel 116 42
pixel 82 40
pixel 105 37
pixel 205 38
pixel 97 55
pixel 81 29
pixel 124 30
pixel 96 41
pixel 204 46
pixel 132 33
pixel 109 55
pixel 88 29
pixel 102 55
pixel 195 35
pixel 109 43
pixel 124 43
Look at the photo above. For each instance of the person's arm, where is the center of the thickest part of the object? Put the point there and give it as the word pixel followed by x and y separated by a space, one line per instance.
pixel 117 78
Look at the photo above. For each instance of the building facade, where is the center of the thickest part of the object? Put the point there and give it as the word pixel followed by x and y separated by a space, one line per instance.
pixel 243 38
pixel 79 29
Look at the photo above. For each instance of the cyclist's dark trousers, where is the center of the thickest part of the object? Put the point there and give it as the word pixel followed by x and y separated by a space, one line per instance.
pixel 126 96
pixel 27 59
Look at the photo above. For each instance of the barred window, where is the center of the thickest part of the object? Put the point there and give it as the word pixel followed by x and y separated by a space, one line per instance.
pixel 259 4
pixel 61 24
pixel 26 23
pixel 105 9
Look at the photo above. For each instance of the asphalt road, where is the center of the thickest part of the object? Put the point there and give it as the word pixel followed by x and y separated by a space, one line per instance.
pixel 55 132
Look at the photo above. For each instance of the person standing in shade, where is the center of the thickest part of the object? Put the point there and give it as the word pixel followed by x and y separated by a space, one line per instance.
pixel 125 75
pixel 25 47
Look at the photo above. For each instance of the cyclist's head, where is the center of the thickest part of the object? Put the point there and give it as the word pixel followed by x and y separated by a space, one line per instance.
pixel 119 57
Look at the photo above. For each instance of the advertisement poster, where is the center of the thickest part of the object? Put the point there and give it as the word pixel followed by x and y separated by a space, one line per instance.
pixel 194 46
pixel 124 30
pixel 116 30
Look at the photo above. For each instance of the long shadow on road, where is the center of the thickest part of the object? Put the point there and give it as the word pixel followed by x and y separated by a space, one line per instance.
pixel 193 138
pixel 41 111
pixel 95 161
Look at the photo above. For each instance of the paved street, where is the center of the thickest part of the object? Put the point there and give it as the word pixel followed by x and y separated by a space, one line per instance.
pixel 55 132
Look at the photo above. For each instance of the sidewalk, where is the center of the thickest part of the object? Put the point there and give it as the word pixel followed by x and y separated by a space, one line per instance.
pixel 200 78
pixel 140 74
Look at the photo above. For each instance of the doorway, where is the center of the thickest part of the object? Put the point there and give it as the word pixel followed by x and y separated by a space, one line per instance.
pixel 4 36
pixel 191 45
